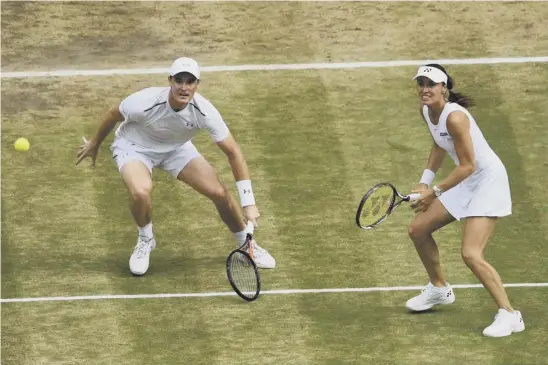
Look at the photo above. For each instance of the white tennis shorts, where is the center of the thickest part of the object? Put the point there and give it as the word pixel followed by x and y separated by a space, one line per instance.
pixel 485 195
pixel 172 162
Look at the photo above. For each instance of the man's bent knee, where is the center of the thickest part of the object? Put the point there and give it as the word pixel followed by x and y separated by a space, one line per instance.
pixel 137 179
pixel 140 194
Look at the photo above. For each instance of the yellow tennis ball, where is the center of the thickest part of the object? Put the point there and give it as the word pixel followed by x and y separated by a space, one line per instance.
pixel 22 144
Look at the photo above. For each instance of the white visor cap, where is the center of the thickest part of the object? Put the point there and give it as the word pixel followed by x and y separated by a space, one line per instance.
pixel 434 74
pixel 185 64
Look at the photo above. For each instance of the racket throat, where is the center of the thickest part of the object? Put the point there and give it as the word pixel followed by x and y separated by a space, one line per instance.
pixel 248 246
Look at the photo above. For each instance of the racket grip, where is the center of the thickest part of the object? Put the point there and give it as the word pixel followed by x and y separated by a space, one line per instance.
pixel 413 197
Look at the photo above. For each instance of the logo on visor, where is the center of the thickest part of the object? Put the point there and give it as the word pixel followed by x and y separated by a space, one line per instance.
pixel 428 69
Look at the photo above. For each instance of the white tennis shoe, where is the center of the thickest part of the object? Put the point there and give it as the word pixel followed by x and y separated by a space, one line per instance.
pixel 505 324
pixel 430 297
pixel 139 260
pixel 260 256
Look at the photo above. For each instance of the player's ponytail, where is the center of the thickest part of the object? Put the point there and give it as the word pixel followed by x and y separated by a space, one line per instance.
pixel 459 98
pixel 455 97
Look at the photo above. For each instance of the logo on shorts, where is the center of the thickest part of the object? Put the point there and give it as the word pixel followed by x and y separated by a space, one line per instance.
pixel 444 134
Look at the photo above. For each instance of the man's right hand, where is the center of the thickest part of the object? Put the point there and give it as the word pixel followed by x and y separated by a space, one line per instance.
pixel 251 213
pixel 87 149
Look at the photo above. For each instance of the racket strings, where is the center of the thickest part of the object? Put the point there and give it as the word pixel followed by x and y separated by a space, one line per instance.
pixel 243 274
pixel 376 206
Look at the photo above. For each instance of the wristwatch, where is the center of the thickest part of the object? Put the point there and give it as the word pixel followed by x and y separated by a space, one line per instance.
pixel 437 191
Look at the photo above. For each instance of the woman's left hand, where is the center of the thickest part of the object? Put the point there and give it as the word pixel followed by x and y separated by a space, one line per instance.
pixel 422 204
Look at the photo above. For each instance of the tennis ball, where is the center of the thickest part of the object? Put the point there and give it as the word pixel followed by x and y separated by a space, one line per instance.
pixel 22 144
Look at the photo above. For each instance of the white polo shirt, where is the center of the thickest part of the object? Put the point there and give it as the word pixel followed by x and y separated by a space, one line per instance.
pixel 151 123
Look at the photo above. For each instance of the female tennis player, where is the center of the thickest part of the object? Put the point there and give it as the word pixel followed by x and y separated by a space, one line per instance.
pixel 476 191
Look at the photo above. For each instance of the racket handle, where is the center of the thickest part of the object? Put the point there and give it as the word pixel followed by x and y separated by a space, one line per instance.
pixel 413 197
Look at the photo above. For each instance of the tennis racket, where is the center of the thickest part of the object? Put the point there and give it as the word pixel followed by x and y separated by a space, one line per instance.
pixel 378 203
pixel 242 272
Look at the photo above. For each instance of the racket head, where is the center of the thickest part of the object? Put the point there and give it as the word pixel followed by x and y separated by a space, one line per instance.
pixel 376 205
pixel 243 275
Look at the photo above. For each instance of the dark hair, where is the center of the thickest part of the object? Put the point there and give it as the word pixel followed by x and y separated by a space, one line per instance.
pixel 454 97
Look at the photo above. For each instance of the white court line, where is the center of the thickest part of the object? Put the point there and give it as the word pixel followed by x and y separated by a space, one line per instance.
pixel 266 292
pixel 271 67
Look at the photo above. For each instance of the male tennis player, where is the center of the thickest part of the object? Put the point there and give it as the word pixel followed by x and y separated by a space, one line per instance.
pixel 477 191
pixel 157 126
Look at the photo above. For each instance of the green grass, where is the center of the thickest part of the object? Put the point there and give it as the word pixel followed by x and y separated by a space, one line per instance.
pixel 315 141
pixel 312 153
pixel 292 329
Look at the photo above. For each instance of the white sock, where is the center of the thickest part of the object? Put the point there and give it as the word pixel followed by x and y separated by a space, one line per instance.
pixel 240 237
pixel 146 231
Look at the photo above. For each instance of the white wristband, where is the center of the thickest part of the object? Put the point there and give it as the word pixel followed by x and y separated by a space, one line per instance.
pixel 245 192
pixel 428 177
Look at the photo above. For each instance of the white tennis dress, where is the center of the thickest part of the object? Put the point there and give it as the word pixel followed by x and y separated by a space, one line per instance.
pixel 485 193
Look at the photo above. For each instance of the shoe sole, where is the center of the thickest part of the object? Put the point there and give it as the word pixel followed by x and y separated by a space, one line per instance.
pixel 138 273
pixel 429 306
pixel 517 330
